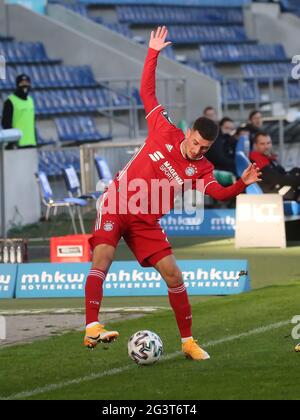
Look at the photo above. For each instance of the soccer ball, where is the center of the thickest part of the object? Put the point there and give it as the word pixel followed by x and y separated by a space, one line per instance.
pixel 145 347
pixel 297 348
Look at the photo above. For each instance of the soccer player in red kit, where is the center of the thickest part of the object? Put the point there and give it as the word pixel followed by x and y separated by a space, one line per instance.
pixel 170 156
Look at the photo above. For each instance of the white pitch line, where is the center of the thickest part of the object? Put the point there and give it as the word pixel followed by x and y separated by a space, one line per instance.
pixel 74 311
pixel 116 371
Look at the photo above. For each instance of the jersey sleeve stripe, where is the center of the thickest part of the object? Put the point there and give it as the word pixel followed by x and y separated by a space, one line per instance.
pixel 212 182
pixel 153 110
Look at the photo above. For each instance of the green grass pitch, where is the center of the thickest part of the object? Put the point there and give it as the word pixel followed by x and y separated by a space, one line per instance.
pixel 247 336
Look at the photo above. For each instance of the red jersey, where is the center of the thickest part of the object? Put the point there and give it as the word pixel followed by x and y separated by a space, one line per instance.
pixel 161 159
pixel 262 160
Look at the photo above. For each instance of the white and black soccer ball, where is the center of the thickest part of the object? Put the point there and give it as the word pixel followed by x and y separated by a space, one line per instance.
pixel 145 347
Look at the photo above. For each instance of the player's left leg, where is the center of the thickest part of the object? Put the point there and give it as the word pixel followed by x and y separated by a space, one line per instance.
pixel 151 247
pixel 179 301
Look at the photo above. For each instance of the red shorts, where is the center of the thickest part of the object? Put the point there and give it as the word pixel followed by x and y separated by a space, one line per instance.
pixel 143 235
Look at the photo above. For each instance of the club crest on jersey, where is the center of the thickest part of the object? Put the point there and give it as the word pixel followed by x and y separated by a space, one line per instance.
pixel 108 227
pixel 191 170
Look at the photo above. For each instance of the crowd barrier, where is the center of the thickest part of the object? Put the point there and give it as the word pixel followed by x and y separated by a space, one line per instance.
pixel 211 277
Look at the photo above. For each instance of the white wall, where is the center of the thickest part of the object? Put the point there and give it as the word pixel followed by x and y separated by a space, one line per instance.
pixel 21 191
pixel 269 25
pixel 2 18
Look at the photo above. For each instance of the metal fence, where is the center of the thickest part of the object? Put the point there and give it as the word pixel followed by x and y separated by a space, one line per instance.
pixel 117 156
pixel 263 91
pixel 172 94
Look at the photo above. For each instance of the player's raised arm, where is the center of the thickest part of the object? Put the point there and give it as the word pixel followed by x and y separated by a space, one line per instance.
pixel 148 85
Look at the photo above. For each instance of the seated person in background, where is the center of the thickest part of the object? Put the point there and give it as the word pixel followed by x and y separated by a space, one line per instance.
pixel 254 125
pixel 274 176
pixel 211 113
pixel 222 152
pixel 241 131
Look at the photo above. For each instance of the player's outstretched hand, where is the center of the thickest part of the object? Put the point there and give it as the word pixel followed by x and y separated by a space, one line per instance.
pixel 158 39
pixel 252 174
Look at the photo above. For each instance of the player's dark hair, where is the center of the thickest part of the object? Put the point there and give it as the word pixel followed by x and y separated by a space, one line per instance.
pixel 253 113
pixel 207 128
pixel 225 120
pixel 260 133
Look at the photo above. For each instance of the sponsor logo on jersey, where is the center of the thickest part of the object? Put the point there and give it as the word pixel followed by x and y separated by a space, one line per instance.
pixel 191 170
pixel 157 156
pixel 169 147
pixel 170 173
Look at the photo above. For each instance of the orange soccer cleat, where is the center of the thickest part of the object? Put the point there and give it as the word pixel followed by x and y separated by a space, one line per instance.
pixel 193 351
pixel 98 334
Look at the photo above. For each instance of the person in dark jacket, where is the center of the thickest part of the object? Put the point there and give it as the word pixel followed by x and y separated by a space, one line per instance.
pixel 222 152
pixel 275 178
pixel 19 112
pixel 254 125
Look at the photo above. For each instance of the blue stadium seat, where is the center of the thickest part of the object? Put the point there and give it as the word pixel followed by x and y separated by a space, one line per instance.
pixel 291 6
pixel 70 203
pixel 10 82
pixel 195 34
pixel 54 76
pixel 103 170
pixel 294 91
pixel 73 185
pixel 52 162
pixel 140 15
pixel 169 53
pixel 239 53
pixel 291 208
pixel 206 68
pixel 265 71
pixel 79 129
pixel 137 97
pixel 242 162
pixel 235 91
pixel 68 101
pixel 23 52
pixel 206 3
pixel 77 8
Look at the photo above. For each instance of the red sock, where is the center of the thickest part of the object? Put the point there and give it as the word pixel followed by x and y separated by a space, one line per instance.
pixel 94 294
pixel 180 303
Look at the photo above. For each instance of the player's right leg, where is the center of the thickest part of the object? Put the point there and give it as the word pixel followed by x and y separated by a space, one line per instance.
pixel 107 234
pixel 95 332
